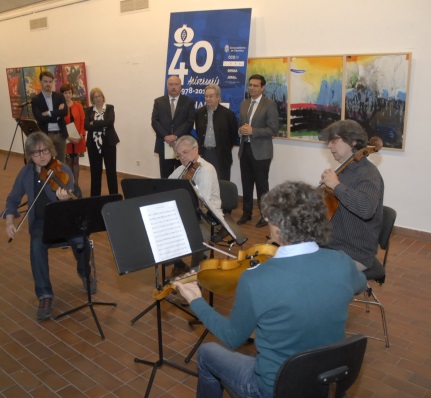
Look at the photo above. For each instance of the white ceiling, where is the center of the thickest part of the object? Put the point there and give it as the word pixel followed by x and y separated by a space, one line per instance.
pixel 9 5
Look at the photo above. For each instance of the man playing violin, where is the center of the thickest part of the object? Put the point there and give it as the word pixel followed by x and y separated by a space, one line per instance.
pixel 359 189
pixel 285 299
pixel 39 151
pixel 204 175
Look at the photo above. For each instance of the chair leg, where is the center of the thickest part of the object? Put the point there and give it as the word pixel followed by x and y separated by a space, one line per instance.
pixel 377 303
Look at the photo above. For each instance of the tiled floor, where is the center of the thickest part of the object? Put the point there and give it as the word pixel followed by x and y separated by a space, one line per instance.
pixel 67 358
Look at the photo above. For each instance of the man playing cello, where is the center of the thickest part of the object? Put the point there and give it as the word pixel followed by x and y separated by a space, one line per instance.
pixel 359 189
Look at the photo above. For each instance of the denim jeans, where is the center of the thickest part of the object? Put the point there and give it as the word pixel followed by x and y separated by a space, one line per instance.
pixel 39 259
pixel 220 368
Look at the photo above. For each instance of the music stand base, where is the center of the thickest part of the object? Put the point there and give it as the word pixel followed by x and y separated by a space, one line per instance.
pixel 157 365
pixel 88 304
pixel 161 360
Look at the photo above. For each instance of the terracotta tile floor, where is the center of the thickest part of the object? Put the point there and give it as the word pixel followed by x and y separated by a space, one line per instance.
pixel 67 358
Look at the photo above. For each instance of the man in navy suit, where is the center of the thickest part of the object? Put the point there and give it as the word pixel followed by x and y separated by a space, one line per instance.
pixel 173 116
pixel 49 109
pixel 258 122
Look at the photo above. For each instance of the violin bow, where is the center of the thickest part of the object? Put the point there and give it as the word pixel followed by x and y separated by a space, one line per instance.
pixel 50 173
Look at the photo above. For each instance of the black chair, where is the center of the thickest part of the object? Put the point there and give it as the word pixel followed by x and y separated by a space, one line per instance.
pixel 228 195
pixel 378 271
pixel 326 371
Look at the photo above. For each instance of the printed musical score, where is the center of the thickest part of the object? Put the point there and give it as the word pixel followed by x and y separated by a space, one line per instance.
pixel 166 232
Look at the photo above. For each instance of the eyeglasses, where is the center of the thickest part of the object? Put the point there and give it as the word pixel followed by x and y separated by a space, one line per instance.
pixel 37 153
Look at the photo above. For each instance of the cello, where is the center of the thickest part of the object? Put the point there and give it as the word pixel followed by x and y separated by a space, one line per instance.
pixel 328 194
pixel 221 276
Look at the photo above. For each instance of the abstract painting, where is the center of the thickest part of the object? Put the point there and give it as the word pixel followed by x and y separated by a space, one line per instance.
pixel 376 95
pixel 275 72
pixel 315 94
pixel 24 84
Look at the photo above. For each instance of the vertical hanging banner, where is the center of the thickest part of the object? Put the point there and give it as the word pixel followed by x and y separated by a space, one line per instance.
pixel 210 47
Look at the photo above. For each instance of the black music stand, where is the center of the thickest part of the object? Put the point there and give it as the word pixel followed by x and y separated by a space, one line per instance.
pixel 28 126
pixel 135 251
pixel 69 219
pixel 136 187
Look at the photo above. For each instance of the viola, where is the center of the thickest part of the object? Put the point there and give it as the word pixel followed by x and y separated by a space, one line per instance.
pixel 328 194
pixel 59 178
pixel 221 276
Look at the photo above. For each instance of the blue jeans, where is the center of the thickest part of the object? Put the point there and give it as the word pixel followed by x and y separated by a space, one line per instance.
pixel 39 259
pixel 220 368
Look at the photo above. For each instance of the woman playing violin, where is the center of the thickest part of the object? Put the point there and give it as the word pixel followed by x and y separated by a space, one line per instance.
pixel 284 299
pixel 39 151
pixel 359 189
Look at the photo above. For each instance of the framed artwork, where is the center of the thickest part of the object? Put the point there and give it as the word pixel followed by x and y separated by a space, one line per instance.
pixel 377 93
pixel 24 84
pixel 312 92
pixel 315 95
pixel 275 72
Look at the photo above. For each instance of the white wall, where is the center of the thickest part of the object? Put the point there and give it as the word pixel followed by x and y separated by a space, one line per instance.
pixel 126 56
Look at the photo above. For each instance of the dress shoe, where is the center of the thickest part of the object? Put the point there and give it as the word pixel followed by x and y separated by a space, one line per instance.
pixel 244 218
pixel 219 236
pixel 261 223
pixel 180 268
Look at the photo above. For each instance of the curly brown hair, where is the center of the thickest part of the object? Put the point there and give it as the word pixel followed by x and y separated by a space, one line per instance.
pixel 299 212
pixel 349 131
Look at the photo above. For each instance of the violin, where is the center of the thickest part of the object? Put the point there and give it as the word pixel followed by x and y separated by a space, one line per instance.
pixel 189 171
pixel 52 175
pixel 221 276
pixel 59 178
pixel 328 194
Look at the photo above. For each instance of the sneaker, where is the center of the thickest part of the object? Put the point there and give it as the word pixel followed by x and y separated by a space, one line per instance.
pixel 44 310
pixel 93 284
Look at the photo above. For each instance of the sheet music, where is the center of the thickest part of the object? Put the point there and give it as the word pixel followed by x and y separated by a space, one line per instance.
pixel 165 229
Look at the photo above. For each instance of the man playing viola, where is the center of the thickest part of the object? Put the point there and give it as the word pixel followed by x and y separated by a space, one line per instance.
pixel 284 299
pixel 359 189
pixel 39 151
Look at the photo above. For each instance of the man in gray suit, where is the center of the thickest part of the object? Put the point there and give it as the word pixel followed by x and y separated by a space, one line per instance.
pixel 173 116
pixel 258 122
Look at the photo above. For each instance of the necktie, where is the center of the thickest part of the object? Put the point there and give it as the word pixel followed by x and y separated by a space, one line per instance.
pixel 172 107
pixel 250 111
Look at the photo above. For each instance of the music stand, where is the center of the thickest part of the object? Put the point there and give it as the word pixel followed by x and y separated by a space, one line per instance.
pixel 158 225
pixel 65 220
pixel 136 187
pixel 28 126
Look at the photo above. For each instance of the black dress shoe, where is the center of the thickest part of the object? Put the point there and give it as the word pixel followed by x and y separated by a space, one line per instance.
pixel 244 218
pixel 180 268
pixel 261 223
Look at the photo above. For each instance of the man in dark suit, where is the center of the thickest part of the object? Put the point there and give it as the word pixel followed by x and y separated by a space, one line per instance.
pixel 217 130
pixel 49 109
pixel 173 116
pixel 258 123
